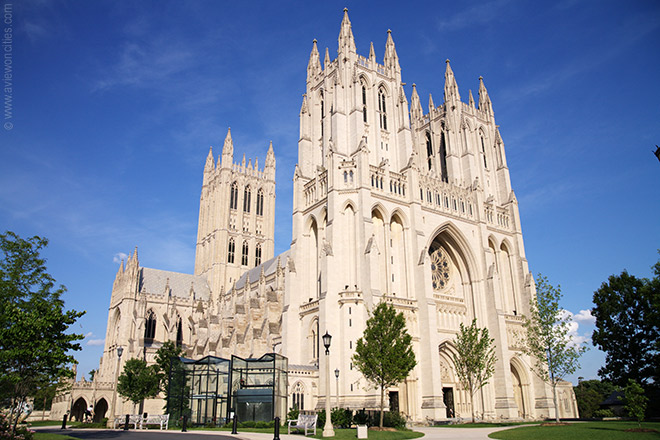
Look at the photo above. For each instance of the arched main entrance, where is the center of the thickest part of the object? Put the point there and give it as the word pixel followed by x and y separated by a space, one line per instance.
pixel 78 409
pixel 100 409
pixel 518 391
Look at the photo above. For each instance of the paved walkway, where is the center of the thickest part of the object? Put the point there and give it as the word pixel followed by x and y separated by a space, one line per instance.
pixel 132 434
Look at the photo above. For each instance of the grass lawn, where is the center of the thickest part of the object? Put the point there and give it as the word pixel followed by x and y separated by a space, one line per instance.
pixel 50 436
pixel 614 430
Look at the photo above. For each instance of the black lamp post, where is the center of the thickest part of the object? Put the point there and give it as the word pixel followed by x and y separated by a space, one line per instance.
pixel 327 338
pixel 337 377
pixel 327 429
pixel 120 351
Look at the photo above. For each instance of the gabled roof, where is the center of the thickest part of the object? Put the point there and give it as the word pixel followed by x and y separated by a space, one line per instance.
pixel 269 268
pixel 153 281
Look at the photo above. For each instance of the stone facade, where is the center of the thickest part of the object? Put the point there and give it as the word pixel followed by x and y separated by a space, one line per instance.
pixel 391 203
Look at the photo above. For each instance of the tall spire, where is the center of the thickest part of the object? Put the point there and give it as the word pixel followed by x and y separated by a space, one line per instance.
pixel 269 168
pixel 209 161
pixel 451 88
pixel 471 99
pixel 484 99
pixel 314 65
pixel 431 104
pixel 326 60
pixel 346 40
pixel 227 151
pixel 372 52
pixel 228 147
pixel 303 107
pixel 415 105
pixel 391 60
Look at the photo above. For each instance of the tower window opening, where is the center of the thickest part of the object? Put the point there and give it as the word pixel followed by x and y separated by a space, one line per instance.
pixel 260 202
pixel 233 202
pixel 382 109
pixel 364 104
pixel 246 199
pixel 231 249
pixel 244 257
pixel 483 151
pixel 257 255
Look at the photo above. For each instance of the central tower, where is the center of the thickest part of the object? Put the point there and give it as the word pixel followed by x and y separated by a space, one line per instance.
pixel 236 218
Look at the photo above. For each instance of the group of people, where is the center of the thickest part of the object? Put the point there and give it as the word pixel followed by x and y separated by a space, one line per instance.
pixel 89 414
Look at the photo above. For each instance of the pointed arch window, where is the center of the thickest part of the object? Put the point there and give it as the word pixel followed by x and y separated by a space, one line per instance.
pixel 244 257
pixel 483 150
pixel 246 199
pixel 150 327
pixel 443 158
pixel 429 150
pixel 257 255
pixel 382 109
pixel 364 103
pixel 260 202
pixel 231 250
pixel 233 201
pixel 179 333
pixel 322 111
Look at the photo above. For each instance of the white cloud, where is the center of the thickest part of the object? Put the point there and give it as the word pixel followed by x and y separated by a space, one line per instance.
pixel 476 15
pixel 585 317
pixel 119 257
pixel 574 326
pixel 95 342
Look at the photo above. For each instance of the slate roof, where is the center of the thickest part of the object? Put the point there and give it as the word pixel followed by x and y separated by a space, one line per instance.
pixel 153 281
pixel 269 266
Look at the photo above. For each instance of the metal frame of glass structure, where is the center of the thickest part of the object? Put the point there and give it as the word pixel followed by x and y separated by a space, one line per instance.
pixel 200 389
pixel 259 387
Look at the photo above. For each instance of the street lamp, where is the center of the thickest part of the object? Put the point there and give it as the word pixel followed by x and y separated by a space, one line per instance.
pixel 327 429
pixel 337 377
pixel 120 351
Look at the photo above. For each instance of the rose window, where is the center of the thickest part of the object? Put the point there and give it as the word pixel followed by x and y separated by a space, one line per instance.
pixel 439 269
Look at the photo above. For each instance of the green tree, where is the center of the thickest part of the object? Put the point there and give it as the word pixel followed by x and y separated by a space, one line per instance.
pixel 171 377
pixel 35 342
pixel 590 394
pixel 384 353
pixel 138 381
pixel 91 375
pixel 635 401
pixel 474 358
pixel 627 312
pixel 548 342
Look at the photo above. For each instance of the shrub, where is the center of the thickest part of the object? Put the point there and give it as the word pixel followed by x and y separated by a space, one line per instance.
pixel 22 432
pixel 393 419
pixel 362 418
pixel 603 413
pixel 293 414
pixel 342 417
pixel 320 422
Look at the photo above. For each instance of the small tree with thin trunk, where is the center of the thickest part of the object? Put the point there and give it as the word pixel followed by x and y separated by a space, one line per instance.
pixel 474 358
pixel 138 381
pixel 549 344
pixel 635 401
pixel 384 353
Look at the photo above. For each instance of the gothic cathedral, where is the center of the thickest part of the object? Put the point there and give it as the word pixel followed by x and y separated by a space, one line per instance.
pixel 390 204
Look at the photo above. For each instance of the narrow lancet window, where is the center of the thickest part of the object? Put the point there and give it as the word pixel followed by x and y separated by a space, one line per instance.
pixel 233 202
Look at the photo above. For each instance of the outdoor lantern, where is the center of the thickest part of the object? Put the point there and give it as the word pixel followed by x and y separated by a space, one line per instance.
pixel 326 342
pixel 120 351
pixel 337 373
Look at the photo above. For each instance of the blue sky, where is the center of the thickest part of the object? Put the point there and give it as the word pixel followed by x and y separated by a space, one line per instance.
pixel 115 105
